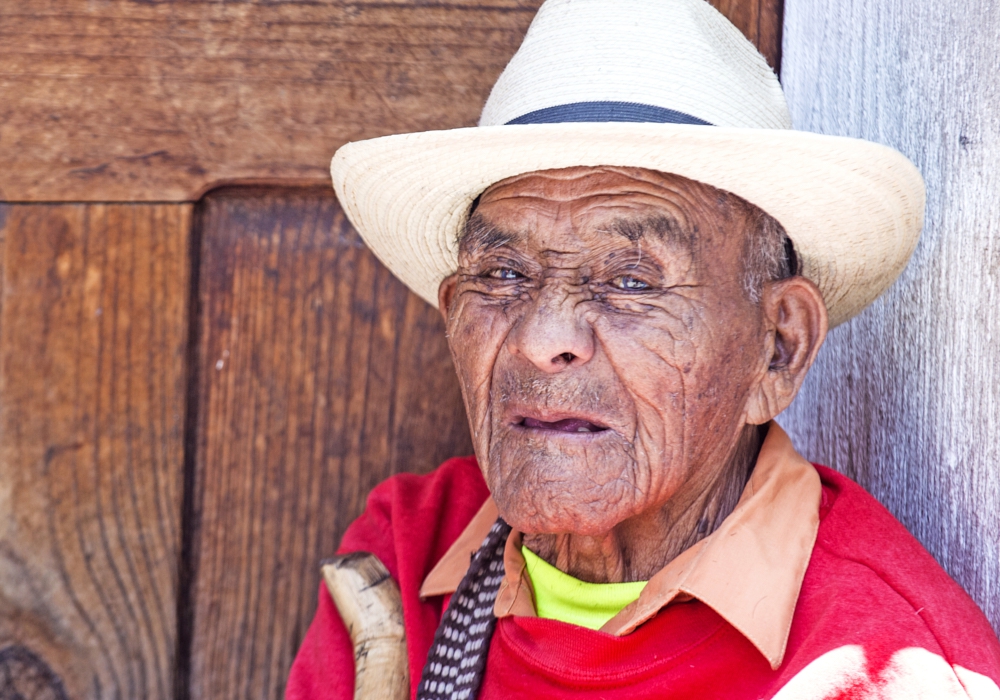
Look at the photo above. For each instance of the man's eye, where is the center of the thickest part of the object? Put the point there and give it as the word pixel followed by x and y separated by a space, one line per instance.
pixel 629 283
pixel 504 273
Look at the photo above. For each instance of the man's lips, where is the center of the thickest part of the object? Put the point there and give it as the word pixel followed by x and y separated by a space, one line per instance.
pixel 566 425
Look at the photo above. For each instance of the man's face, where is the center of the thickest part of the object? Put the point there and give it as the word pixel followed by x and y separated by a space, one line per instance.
pixel 604 342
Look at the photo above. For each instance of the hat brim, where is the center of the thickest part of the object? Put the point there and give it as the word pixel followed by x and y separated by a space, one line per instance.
pixel 854 209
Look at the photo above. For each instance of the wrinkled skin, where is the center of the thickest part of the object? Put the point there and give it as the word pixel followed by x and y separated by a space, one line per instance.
pixel 614 369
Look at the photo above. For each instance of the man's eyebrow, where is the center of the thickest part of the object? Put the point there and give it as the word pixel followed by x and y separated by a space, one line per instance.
pixel 479 235
pixel 665 228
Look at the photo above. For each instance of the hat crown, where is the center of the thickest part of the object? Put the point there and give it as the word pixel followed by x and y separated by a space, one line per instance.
pixel 682 56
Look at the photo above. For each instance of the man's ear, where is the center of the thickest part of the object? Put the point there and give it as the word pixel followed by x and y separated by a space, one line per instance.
pixel 796 320
pixel 446 292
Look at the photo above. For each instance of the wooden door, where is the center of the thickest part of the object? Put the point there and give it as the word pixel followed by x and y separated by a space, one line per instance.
pixel 203 371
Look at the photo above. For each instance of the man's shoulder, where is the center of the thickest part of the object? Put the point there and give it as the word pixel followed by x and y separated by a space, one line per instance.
pixel 856 528
pixel 453 487
pixel 875 584
pixel 410 520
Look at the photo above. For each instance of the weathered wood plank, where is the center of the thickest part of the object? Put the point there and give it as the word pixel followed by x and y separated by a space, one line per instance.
pixel 319 376
pixel 128 100
pixel 93 328
pixel 905 398
pixel 131 100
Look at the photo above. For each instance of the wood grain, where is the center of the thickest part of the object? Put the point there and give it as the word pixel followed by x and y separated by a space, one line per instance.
pixel 905 398
pixel 134 100
pixel 130 100
pixel 320 376
pixel 93 327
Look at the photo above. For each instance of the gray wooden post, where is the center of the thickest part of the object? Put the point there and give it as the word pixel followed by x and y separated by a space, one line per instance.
pixel 905 398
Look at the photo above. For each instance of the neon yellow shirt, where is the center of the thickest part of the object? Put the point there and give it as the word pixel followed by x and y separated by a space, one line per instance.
pixel 559 596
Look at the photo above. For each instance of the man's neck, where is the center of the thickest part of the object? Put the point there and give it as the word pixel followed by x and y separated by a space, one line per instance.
pixel 642 545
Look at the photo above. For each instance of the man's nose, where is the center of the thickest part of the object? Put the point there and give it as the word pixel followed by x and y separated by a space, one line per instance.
pixel 552 333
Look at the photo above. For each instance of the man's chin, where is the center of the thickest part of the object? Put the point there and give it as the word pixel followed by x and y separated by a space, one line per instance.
pixel 544 511
pixel 540 489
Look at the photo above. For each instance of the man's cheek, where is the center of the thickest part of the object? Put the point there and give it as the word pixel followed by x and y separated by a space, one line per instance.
pixel 661 392
pixel 476 341
pixel 472 338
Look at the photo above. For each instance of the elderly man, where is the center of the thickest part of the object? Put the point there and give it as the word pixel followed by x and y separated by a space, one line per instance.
pixel 637 263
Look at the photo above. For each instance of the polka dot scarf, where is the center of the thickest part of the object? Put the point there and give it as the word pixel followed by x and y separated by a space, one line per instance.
pixel 457 660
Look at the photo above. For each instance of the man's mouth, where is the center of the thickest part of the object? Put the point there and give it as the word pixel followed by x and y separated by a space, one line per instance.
pixel 566 425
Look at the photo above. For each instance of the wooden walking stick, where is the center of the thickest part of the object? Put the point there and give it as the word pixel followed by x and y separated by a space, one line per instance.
pixel 371 607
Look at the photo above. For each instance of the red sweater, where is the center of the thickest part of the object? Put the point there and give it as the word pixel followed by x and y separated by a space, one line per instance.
pixel 876 617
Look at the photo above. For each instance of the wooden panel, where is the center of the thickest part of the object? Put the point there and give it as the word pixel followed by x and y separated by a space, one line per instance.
pixel 319 376
pixel 905 398
pixel 133 100
pixel 93 326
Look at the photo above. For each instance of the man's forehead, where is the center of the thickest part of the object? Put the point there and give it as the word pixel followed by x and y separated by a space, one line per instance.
pixel 630 202
pixel 580 183
pixel 483 234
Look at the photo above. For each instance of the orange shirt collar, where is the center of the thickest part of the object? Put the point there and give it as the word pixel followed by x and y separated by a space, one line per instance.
pixel 749 570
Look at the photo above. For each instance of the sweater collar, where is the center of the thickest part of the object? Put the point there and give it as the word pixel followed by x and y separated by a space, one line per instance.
pixel 749 570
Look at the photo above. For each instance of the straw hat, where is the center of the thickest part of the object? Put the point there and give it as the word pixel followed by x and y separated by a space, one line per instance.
pixel 668 85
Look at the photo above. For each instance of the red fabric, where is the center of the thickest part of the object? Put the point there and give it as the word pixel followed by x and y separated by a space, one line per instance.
pixel 869 583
